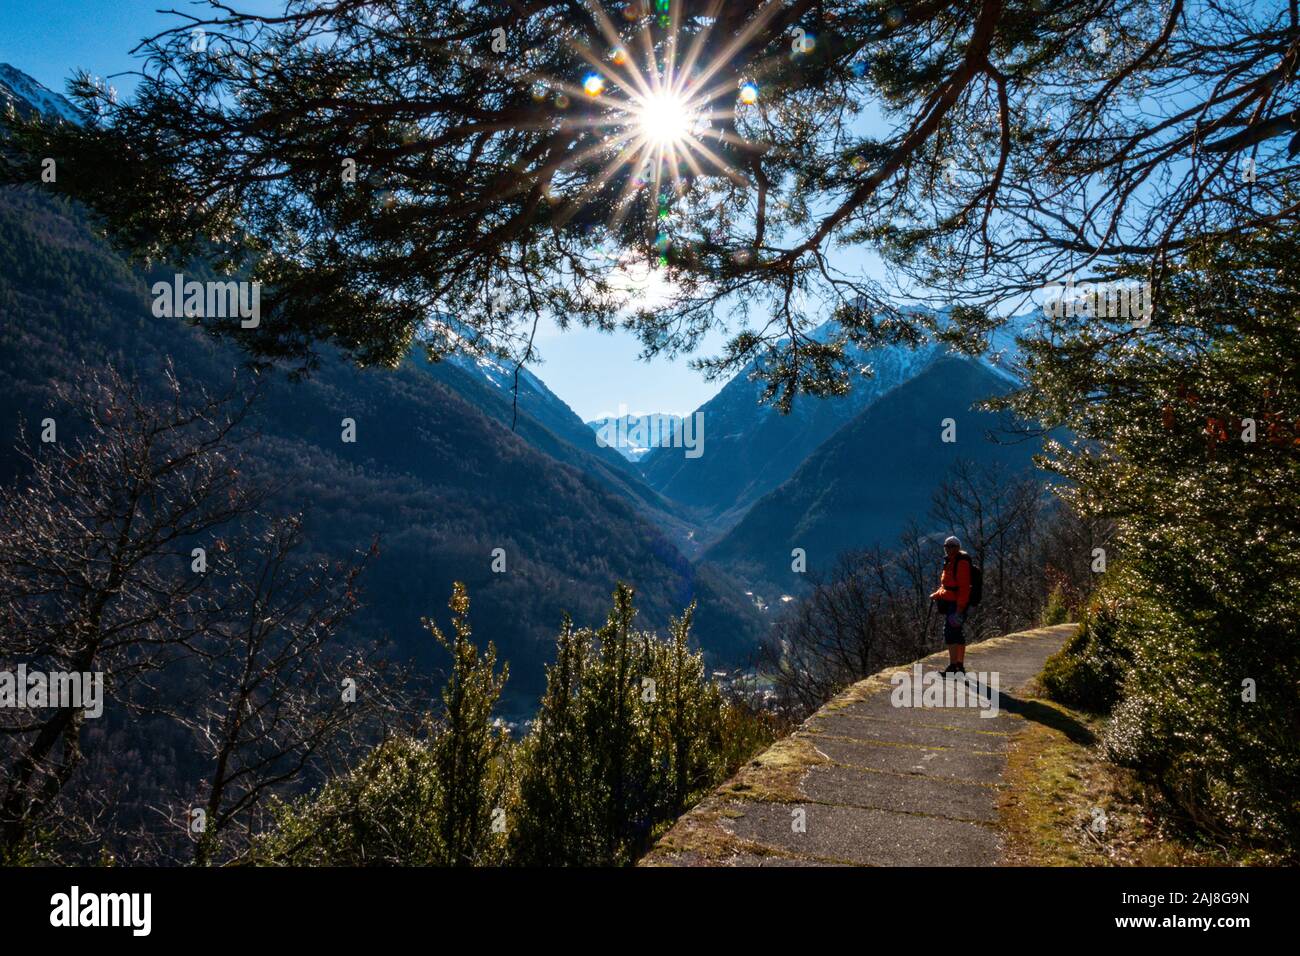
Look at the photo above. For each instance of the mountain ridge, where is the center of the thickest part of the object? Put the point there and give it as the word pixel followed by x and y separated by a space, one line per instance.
pixel 853 492
pixel 761 447
pixel 27 96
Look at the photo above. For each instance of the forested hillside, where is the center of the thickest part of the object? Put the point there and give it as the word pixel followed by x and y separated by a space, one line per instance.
pixel 438 481
pixel 878 472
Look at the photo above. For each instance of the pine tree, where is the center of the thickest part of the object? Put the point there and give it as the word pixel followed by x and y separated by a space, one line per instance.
pixel 629 730
pixel 557 822
pixel 468 749
pixel 499 187
pixel 416 800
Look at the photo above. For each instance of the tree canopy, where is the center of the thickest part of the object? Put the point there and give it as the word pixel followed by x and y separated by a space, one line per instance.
pixel 377 163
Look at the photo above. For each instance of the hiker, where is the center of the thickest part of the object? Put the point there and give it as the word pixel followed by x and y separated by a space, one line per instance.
pixel 953 599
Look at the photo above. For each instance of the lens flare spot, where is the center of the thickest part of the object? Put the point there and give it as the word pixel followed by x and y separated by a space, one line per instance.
pixel 594 84
pixel 664 118
pixel 749 93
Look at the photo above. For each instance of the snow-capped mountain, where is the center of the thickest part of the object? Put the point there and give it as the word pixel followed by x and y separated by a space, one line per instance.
pixel 26 97
pixel 750 449
pixel 633 436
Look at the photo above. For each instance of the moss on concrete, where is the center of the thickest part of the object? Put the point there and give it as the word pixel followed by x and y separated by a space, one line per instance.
pixel 772 776
pixel 775 774
pixel 1066 805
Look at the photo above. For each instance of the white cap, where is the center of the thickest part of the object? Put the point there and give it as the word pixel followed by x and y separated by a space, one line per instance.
pixel 951 539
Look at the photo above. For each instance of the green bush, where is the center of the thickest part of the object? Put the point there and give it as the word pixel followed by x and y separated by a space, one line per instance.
pixel 1187 434
pixel 384 813
pixel 1210 706
pixel 628 735
pixel 1056 611
pixel 1089 670
pixel 436 800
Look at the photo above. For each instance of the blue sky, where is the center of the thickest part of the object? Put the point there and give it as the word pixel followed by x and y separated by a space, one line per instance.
pixel 593 372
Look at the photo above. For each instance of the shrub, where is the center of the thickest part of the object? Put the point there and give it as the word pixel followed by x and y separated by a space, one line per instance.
pixel 1187 435
pixel 629 731
pixel 1210 705
pixel 1056 611
pixel 431 800
pixel 1088 671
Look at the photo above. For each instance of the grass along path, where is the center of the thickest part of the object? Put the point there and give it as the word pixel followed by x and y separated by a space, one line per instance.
pixel 1065 804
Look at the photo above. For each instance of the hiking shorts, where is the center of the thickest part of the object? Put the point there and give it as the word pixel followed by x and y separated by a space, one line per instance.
pixel 952 635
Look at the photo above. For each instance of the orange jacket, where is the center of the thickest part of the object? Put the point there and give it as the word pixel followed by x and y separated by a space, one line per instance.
pixel 954 584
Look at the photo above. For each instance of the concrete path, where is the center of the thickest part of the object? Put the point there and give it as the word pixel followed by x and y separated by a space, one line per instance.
pixel 866 781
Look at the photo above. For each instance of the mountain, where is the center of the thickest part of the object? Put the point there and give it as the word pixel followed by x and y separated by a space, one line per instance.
pixel 635 436
pixel 28 97
pixel 438 478
pixel 543 419
pixel 525 403
pixel 751 448
pixel 863 484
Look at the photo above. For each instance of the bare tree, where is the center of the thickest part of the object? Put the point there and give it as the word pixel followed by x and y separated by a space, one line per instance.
pixel 868 613
pixel 96 563
pixel 277 701
pixel 1077 547
pixel 996 516
pixel 136 552
pixel 874 610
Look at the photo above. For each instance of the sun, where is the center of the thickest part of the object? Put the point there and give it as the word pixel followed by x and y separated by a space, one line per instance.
pixel 664 119
pixel 658 111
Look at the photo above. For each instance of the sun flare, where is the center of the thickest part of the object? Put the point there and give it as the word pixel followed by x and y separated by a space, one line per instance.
pixel 664 119
pixel 662 108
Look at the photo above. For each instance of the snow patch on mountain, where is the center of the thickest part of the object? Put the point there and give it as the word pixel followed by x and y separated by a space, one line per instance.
pixel 633 436
pixel 498 375
pixel 25 96
pixel 464 347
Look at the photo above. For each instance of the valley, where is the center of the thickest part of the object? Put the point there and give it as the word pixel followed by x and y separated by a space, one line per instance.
pixel 465 456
